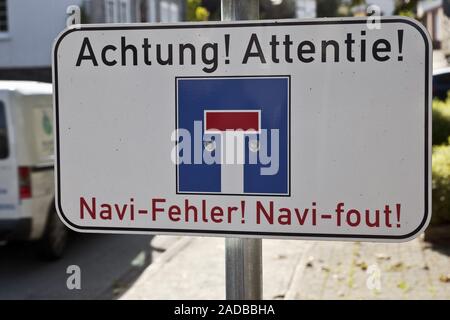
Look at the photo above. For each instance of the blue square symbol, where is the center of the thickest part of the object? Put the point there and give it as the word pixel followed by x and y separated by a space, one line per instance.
pixel 254 112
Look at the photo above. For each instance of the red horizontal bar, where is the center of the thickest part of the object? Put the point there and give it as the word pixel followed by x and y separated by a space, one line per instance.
pixel 234 120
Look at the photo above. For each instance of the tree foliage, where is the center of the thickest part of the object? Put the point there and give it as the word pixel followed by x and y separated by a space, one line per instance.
pixel 406 8
pixel 195 11
pixel 327 8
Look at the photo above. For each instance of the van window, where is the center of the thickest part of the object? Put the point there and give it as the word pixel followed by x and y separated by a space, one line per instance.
pixel 4 146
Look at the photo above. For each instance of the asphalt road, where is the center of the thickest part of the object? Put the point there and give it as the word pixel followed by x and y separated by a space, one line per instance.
pixel 108 263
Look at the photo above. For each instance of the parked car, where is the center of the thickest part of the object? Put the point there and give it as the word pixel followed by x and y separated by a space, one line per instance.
pixel 27 209
pixel 441 83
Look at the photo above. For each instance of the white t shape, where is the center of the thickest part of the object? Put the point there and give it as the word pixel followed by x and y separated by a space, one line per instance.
pixel 232 161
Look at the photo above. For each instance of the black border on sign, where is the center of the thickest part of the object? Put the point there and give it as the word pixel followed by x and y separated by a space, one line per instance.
pixel 240 25
pixel 288 193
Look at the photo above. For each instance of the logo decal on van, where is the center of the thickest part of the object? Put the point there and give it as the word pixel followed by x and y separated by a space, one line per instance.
pixel 47 123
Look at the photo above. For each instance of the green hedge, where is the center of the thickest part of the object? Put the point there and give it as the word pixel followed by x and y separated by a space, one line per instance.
pixel 441 162
pixel 441 185
pixel 441 121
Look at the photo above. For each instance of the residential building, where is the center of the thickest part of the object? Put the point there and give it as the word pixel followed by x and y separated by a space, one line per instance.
pixel 166 10
pixel 28 28
pixel 27 31
pixel 113 11
pixel 305 8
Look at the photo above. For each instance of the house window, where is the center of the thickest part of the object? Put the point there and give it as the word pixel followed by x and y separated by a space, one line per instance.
pixel 152 11
pixel 169 11
pixel 117 11
pixel 3 16
pixel 4 146
pixel 111 11
pixel 124 11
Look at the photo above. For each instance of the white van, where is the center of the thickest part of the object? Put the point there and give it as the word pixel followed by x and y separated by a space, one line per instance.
pixel 27 209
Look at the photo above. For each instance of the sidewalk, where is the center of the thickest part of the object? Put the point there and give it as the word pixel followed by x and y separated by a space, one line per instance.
pixel 194 268
pixel 338 270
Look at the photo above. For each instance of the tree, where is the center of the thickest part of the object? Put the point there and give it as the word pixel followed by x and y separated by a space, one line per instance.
pixel 358 2
pixel 195 11
pixel 327 8
pixel 406 8
pixel 447 7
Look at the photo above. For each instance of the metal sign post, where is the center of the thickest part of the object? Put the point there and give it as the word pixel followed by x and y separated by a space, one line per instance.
pixel 243 257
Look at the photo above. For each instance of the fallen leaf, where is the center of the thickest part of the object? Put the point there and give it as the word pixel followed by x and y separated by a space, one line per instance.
pixel 382 256
pixel 399 266
pixel 325 268
pixel 403 285
pixel 362 265
pixel 445 278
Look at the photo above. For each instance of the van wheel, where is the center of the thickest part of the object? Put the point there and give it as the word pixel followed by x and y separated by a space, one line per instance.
pixel 54 241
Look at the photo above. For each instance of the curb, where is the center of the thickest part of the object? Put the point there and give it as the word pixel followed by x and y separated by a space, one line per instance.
pixel 156 266
pixel 295 286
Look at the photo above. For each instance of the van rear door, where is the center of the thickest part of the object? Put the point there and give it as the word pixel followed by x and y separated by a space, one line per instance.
pixel 8 167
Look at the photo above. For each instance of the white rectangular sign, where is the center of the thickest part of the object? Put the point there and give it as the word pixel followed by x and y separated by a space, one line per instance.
pixel 301 129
